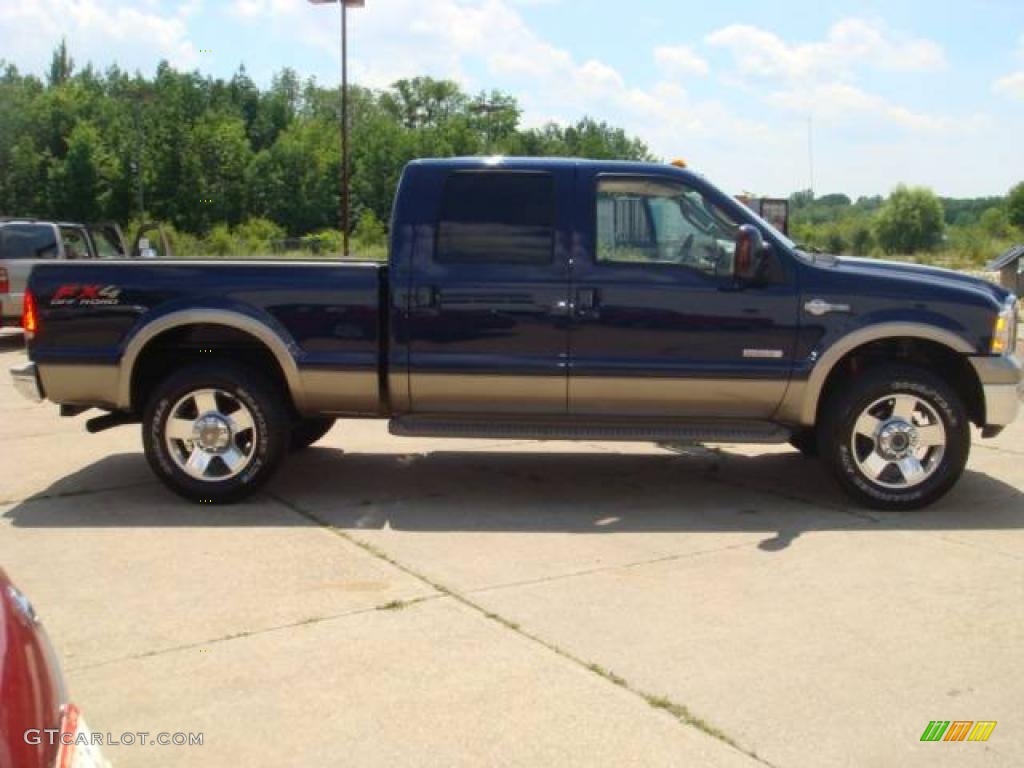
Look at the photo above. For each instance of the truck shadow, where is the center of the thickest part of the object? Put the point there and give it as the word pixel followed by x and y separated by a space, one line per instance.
pixel 695 490
pixel 10 341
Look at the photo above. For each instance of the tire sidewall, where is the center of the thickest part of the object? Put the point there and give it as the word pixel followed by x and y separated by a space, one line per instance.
pixel 266 424
pixel 949 409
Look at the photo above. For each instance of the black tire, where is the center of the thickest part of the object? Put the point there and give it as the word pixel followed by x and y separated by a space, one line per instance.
pixel 806 441
pixel 266 440
pixel 305 432
pixel 836 436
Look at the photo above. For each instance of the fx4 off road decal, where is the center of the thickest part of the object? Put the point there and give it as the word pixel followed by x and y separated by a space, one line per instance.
pixel 86 296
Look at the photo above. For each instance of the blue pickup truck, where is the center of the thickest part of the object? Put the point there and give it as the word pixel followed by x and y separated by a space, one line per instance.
pixel 538 299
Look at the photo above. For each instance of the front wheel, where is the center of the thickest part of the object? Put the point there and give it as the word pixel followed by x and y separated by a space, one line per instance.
pixel 896 437
pixel 305 432
pixel 214 432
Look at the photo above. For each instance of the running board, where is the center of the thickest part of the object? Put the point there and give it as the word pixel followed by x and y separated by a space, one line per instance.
pixel 654 431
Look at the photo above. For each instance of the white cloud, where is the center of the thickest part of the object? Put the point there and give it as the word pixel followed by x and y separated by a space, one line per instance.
pixel 680 61
pixel 850 44
pixel 94 27
pixel 834 102
pixel 1011 85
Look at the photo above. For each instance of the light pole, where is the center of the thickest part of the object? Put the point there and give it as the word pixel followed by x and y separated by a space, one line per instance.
pixel 345 207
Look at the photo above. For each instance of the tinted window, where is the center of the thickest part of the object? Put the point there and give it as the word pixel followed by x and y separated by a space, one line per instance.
pixel 651 221
pixel 27 241
pixel 497 218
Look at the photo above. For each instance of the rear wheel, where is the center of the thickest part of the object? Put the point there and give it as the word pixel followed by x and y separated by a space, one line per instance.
pixel 214 432
pixel 307 431
pixel 897 437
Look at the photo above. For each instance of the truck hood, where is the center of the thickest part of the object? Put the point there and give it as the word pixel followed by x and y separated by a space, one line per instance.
pixel 919 273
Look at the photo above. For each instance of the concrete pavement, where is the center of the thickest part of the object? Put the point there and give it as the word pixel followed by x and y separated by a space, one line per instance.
pixel 421 602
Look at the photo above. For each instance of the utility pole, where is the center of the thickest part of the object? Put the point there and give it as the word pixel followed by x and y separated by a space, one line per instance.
pixel 810 150
pixel 345 205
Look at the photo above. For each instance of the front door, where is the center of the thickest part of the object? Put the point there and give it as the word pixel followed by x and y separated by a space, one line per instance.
pixel 661 328
pixel 488 301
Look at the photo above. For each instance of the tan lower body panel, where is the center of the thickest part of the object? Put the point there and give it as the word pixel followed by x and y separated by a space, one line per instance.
pixel 80 384
pixel 466 393
pixel 641 396
pixel 340 392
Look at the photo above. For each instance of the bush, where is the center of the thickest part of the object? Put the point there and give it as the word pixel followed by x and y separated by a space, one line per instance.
pixel 911 220
pixel 256 235
pixel 324 242
pixel 370 232
pixel 219 242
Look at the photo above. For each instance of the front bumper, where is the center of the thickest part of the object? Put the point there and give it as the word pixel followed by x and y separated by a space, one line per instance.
pixel 26 381
pixel 1002 381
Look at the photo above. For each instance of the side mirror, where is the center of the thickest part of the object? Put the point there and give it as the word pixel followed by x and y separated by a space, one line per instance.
pixel 751 253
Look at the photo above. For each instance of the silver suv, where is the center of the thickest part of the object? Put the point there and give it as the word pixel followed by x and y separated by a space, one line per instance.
pixel 26 242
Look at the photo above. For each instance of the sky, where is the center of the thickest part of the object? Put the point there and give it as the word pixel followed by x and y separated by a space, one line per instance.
pixel 747 92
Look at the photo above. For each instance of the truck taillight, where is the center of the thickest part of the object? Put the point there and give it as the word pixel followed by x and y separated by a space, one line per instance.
pixel 29 314
pixel 5 285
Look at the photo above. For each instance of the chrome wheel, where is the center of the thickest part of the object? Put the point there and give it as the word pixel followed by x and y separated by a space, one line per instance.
pixel 210 434
pixel 898 441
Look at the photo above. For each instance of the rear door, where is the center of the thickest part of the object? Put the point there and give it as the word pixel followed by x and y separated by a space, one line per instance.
pixel 488 297
pixel 21 246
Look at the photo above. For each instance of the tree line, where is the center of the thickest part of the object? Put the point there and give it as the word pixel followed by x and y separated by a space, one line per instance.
pixel 232 166
pixel 208 154
pixel 911 221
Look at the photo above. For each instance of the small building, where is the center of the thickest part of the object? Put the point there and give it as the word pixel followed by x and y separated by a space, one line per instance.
pixel 1010 267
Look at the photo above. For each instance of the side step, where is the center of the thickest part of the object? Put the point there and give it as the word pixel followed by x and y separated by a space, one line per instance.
pixel 655 431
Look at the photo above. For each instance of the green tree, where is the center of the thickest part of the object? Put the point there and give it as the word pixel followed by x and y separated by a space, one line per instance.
pixel 995 221
pixel 80 184
pixel 911 220
pixel 1015 206
pixel 61 65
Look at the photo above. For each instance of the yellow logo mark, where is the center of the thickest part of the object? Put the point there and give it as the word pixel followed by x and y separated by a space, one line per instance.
pixel 982 730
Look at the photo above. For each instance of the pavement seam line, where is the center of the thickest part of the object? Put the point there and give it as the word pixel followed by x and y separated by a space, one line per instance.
pixel 951 539
pixel 393 605
pixel 678 711
pixel 608 568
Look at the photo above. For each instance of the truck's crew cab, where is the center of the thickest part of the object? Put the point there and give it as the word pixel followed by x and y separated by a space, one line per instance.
pixel 535 298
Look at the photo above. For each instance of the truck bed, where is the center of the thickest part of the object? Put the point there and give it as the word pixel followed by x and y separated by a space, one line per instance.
pixel 323 316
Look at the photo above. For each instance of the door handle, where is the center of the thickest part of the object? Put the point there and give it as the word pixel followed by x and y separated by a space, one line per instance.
pixel 586 301
pixel 425 297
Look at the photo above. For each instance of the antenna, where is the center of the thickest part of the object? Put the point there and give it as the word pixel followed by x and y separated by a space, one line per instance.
pixel 810 150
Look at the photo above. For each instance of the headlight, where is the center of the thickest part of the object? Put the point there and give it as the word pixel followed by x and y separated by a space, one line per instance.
pixel 1004 334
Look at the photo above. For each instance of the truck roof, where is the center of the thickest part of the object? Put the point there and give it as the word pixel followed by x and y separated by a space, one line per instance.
pixel 551 163
pixel 33 220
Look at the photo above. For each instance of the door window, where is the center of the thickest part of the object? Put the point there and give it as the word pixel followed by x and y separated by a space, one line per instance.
pixel 498 217
pixel 651 221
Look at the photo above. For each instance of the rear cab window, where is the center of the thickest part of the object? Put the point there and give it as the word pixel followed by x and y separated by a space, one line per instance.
pixel 76 244
pixel 497 217
pixel 27 241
